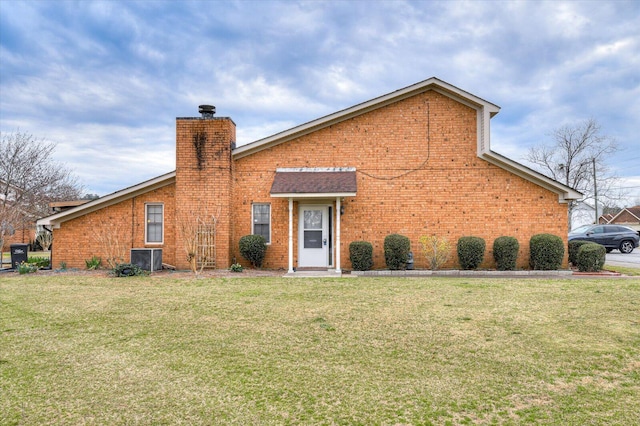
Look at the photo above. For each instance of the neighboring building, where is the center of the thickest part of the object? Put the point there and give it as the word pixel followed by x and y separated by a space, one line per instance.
pixel 416 161
pixel 25 233
pixel 60 206
pixel 582 214
pixel 604 219
pixel 629 216
pixel 16 226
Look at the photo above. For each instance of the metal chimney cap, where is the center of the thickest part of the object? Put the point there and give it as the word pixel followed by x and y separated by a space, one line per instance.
pixel 207 111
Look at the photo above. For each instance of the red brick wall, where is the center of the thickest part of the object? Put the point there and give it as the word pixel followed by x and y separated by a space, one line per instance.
pixel 79 239
pixel 627 219
pixel 410 181
pixel 203 190
pixel 448 191
pixel 25 234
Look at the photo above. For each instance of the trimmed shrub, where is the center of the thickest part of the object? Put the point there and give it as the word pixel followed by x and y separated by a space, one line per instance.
pixel 128 270
pixel 591 257
pixel 505 253
pixel 470 252
pixel 573 248
pixel 253 248
pixel 545 252
pixel 361 255
pixel 396 251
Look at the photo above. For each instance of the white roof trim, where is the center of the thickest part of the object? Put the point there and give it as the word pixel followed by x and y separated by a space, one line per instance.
pixel 565 193
pixel 306 195
pixel 379 102
pixel 108 200
pixel 620 212
pixel 485 110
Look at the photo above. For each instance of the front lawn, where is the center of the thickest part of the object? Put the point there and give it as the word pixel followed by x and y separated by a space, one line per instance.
pixel 633 272
pixel 247 351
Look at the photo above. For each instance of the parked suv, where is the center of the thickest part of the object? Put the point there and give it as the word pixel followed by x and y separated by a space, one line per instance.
pixel 610 236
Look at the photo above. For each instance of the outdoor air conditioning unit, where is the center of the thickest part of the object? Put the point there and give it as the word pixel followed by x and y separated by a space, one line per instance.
pixel 149 259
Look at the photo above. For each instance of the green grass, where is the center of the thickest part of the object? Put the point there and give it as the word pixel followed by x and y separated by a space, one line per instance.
pixel 148 350
pixel 6 256
pixel 634 272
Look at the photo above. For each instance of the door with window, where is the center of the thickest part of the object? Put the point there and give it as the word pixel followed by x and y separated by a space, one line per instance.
pixel 314 236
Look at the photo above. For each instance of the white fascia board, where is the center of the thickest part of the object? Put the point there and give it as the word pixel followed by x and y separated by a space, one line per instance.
pixel 108 200
pixel 485 113
pixel 362 108
pixel 622 211
pixel 565 193
pixel 307 195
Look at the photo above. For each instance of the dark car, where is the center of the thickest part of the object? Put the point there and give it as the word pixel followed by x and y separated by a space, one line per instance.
pixel 610 236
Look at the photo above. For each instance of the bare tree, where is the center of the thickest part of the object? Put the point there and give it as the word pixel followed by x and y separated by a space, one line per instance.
pixel 114 242
pixel 30 179
pixel 577 156
pixel 45 239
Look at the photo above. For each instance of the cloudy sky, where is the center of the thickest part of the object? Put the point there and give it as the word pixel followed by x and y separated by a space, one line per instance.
pixel 105 80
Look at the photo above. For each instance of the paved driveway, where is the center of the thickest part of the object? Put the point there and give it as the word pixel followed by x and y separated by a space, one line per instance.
pixel 631 260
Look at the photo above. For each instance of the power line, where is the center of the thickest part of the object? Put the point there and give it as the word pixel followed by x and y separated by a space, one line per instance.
pixel 628 159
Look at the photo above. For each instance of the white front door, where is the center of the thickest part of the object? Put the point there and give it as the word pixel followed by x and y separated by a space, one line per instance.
pixel 313 239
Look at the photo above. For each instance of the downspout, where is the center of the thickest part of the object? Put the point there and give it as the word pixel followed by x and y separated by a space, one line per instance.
pixel 338 266
pixel 133 222
pixel 290 271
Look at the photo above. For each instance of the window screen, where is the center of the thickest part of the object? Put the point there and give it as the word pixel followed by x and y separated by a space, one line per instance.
pixel 262 221
pixel 154 223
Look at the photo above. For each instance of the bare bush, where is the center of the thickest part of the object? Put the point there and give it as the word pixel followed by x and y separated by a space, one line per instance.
pixel 114 243
pixel 45 239
pixel 437 250
pixel 198 230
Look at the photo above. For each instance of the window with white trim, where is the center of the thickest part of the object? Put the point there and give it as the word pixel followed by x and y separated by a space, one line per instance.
pixel 154 214
pixel 261 220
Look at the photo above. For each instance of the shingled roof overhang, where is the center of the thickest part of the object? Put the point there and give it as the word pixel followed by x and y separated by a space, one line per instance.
pixel 314 183
pixel 55 220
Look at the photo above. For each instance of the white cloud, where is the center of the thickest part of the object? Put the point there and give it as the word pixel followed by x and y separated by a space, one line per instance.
pixel 112 76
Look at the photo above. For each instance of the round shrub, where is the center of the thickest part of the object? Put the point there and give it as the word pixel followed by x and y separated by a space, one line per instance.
pixel 128 270
pixel 396 251
pixel 253 248
pixel 591 257
pixel 505 253
pixel 545 252
pixel 236 267
pixel 361 255
pixel 573 248
pixel 470 252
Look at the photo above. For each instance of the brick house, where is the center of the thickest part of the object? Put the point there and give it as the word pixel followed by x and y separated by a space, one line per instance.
pixel 416 161
pixel 16 225
pixel 629 216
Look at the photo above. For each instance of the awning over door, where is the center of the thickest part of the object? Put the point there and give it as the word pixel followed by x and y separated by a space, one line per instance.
pixel 314 183
pixel 317 183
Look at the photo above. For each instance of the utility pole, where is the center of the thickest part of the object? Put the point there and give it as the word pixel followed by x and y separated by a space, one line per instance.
pixel 595 188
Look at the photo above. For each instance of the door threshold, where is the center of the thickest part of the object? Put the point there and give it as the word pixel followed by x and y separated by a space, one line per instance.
pixel 312 268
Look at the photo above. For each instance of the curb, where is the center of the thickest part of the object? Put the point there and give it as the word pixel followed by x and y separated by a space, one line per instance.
pixel 462 273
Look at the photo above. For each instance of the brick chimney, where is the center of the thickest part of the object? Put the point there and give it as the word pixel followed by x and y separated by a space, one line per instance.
pixel 204 171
